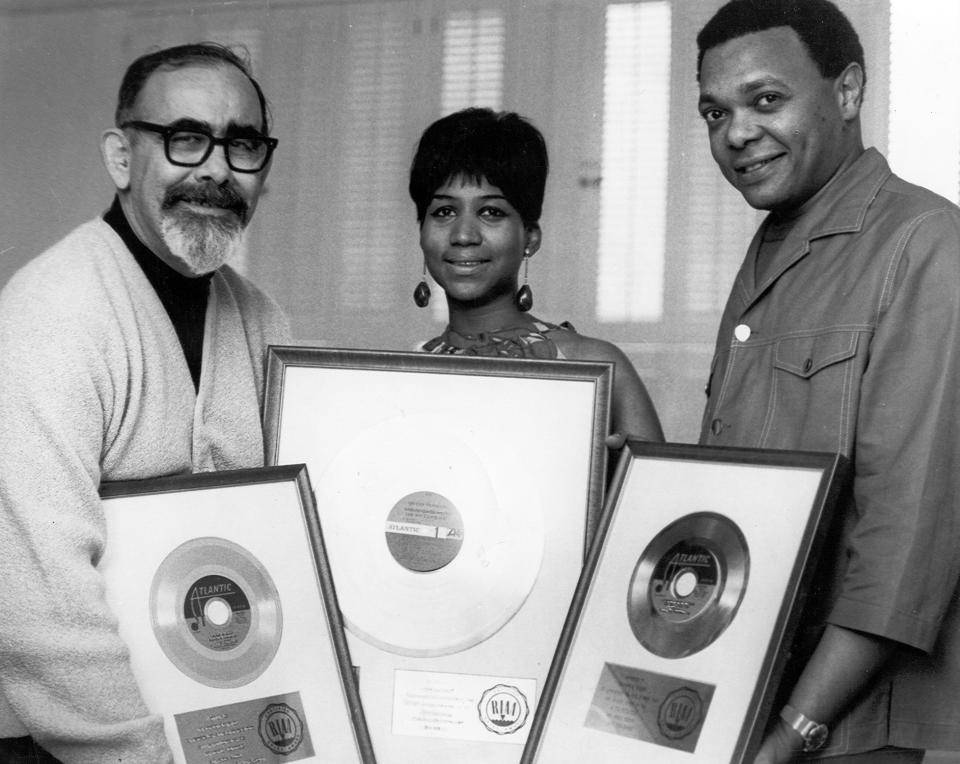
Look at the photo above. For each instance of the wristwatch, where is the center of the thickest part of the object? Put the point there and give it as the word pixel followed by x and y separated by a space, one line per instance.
pixel 813 733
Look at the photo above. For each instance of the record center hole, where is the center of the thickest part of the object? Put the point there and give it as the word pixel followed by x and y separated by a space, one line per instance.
pixel 685 583
pixel 217 612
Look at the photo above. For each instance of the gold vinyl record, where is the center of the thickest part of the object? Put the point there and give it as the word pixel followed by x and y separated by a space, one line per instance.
pixel 687 585
pixel 215 612
pixel 428 557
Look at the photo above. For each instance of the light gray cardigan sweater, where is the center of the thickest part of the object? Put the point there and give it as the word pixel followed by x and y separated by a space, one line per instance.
pixel 94 387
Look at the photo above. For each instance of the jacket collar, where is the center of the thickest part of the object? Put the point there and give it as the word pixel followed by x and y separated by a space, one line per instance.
pixel 839 207
pixel 842 204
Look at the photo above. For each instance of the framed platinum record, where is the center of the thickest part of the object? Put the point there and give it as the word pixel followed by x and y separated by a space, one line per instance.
pixel 223 593
pixel 679 627
pixel 455 495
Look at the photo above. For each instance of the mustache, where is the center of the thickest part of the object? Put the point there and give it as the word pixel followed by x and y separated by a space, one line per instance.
pixel 209 194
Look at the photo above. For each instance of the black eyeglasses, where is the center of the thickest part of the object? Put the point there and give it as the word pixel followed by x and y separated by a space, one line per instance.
pixel 191 148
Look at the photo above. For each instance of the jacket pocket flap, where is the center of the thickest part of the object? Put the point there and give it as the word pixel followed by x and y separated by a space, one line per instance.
pixel 805 356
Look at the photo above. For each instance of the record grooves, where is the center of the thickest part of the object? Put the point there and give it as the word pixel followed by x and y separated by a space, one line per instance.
pixel 215 612
pixel 687 585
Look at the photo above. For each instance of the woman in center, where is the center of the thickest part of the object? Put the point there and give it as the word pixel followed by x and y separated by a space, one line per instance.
pixel 477 180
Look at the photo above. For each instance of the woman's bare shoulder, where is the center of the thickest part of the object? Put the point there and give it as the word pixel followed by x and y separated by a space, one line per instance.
pixel 578 347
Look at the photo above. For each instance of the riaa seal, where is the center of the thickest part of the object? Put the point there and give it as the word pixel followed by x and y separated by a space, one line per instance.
pixel 503 709
pixel 280 728
pixel 680 713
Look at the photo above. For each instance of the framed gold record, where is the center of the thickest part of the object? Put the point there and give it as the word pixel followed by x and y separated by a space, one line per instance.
pixel 222 590
pixel 456 495
pixel 688 584
pixel 676 636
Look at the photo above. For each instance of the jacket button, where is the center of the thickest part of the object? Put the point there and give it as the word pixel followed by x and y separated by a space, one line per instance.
pixel 742 332
pixel 807 365
pixel 716 426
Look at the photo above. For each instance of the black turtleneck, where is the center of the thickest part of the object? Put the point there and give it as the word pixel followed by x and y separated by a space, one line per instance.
pixel 183 297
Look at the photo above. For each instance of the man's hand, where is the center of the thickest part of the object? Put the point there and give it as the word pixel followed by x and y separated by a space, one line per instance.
pixel 780 746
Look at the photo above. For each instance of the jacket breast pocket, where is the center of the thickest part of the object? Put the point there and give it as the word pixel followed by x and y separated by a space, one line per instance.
pixel 815 388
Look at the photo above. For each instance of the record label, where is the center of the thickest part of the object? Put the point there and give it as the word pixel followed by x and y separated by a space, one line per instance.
pixel 685 581
pixel 688 584
pixel 215 612
pixel 424 531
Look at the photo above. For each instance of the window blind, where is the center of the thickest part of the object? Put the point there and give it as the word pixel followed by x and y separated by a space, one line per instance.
pixel 375 158
pixel 633 200
pixel 473 52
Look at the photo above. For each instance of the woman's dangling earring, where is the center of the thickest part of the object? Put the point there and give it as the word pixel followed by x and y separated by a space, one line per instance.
pixel 421 295
pixel 524 298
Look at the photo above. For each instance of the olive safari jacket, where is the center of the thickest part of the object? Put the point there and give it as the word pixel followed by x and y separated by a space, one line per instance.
pixel 853 345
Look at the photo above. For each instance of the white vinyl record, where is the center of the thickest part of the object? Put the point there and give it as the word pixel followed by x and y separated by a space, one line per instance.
pixel 427 558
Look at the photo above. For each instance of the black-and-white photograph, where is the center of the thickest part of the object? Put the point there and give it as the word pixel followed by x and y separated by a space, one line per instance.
pixel 468 268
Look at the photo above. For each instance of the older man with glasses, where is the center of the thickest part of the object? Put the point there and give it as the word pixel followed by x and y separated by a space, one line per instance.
pixel 129 350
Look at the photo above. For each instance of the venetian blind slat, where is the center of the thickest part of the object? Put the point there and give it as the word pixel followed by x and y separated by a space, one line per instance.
pixel 633 208
pixel 374 158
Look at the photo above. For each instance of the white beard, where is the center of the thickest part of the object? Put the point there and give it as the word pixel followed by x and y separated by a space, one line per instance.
pixel 202 243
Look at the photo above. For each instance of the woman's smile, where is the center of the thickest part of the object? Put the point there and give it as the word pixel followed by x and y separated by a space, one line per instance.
pixel 465 264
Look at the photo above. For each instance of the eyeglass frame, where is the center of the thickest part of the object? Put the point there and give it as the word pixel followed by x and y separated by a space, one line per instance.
pixel 167 131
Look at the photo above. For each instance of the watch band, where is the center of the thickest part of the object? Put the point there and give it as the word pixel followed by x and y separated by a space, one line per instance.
pixel 814 734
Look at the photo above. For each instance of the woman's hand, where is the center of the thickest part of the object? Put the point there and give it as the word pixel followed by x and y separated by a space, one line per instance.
pixel 615 441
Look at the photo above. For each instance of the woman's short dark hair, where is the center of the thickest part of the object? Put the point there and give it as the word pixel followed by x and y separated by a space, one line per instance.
pixel 826 32
pixel 477 144
pixel 202 53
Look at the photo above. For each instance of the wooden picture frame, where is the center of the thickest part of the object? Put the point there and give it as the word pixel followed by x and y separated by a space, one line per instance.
pixel 680 625
pixel 456 494
pixel 222 589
